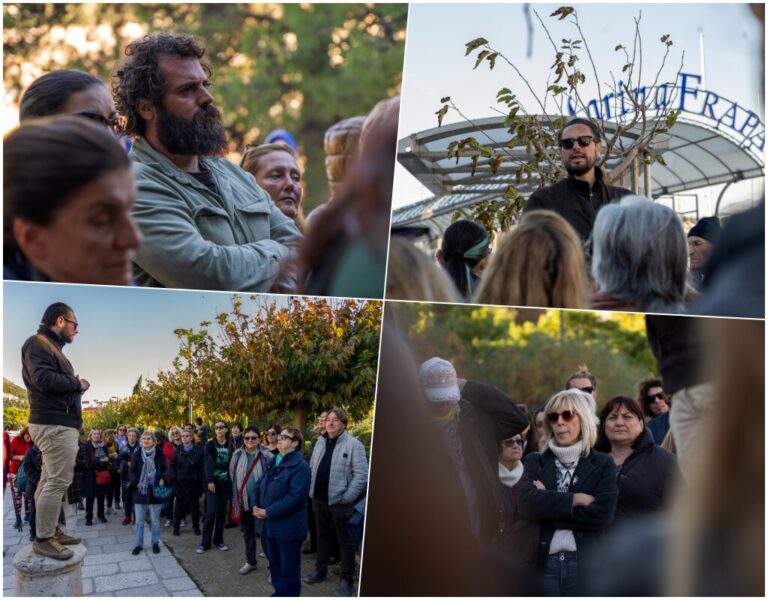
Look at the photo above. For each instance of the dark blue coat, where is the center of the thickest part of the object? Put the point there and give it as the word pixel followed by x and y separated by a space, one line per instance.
pixel 161 468
pixel 283 491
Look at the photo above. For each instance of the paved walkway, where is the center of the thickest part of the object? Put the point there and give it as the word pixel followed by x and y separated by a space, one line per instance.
pixel 109 568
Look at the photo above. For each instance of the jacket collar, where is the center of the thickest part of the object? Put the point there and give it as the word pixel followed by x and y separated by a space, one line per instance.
pixel 582 472
pixel 143 152
pixel 583 186
pixel 51 335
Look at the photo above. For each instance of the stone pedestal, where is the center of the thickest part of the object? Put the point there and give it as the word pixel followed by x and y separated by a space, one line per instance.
pixel 42 576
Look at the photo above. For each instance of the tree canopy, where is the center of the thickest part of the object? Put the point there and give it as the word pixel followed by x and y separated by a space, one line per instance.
pixel 300 67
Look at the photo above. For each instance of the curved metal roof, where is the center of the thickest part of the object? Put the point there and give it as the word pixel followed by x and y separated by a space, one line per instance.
pixel 696 155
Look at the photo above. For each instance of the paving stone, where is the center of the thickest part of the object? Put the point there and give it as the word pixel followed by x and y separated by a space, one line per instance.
pixel 194 593
pixel 99 559
pixel 126 581
pixel 177 584
pixel 139 564
pixel 87 586
pixel 104 540
pixel 117 548
pixel 168 566
pixel 8 592
pixel 147 590
pixel 98 570
pixel 9 581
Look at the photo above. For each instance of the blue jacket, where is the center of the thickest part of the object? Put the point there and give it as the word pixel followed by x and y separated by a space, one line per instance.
pixel 283 492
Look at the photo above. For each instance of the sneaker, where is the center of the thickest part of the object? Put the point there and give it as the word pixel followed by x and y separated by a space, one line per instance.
pixel 66 540
pixel 345 589
pixel 155 548
pixel 175 531
pixel 246 568
pixel 137 550
pixel 222 547
pixel 117 504
pixel 201 549
pixel 52 549
pixel 102 520
pixel 167 523
pixel 314 577
pixel 126 520
pixel 183 523
pixel 89 522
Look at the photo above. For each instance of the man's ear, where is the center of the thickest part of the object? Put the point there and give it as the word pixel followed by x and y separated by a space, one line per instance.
pixel 30 239
pixel 146 109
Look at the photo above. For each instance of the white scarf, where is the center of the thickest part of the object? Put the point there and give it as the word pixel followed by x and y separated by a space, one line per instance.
pixel 509 477
pixel 567 454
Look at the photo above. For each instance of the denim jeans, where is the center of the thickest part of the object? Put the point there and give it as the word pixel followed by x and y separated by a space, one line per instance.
pixel 141 515
pixel 560 574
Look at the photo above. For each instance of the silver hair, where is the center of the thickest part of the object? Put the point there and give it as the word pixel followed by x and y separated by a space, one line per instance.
pixel 149 434
pixel 640 254
pixel 581 403
pixel 135 430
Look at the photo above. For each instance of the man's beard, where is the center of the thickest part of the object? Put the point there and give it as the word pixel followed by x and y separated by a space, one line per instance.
pixel 587 166
pixel 204 135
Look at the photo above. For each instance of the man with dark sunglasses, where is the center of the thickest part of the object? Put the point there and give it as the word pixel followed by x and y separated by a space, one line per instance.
pixel 55 417
pixel 580 196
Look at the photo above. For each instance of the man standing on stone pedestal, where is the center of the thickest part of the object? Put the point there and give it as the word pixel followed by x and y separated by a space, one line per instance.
pixel 54 392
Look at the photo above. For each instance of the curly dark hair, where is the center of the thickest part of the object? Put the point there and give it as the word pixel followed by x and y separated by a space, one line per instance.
pixel 642 387
pixel 140 76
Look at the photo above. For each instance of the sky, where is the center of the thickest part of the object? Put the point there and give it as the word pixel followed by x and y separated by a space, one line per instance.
pixel 435 65
pixel 123 332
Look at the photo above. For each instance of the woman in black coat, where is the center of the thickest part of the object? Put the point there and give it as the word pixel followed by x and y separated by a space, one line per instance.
pixel 569 488
pixel 97 479
pixel 645 472
pixel 187 480
pixel 148 470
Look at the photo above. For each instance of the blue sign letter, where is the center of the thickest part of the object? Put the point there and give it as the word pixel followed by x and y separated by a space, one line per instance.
pixel 685 90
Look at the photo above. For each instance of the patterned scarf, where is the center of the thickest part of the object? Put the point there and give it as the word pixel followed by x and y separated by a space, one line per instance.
pixel 147 479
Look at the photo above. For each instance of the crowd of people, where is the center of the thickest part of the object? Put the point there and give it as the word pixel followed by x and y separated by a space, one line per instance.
pixel 264 485
pixel 172 211
pixel 582 243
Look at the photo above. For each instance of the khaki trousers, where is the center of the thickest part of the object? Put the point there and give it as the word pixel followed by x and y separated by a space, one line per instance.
pixel 689 420
pixel 58 447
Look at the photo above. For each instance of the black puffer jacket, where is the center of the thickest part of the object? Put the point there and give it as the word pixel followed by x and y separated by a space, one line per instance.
pixel 645 479
pixel 573 200
pixel 52 386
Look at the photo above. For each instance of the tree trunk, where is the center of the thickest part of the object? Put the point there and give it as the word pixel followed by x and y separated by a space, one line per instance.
pixel 300 413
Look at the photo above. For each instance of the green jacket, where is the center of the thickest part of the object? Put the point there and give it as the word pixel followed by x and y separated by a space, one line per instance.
pixel 194 238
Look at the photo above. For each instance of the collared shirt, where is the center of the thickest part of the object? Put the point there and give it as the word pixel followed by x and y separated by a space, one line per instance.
pixel 194 237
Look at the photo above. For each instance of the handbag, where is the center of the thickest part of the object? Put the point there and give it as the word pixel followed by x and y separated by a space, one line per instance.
pixel 162 492
pixel 103 477
pixel 235 514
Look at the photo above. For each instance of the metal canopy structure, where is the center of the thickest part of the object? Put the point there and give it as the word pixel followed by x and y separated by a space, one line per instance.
pixel 696 155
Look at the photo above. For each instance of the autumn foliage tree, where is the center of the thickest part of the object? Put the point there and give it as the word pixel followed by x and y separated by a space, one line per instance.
pixel 308 355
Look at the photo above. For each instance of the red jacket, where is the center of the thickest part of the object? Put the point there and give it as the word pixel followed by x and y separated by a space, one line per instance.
pixel 20 447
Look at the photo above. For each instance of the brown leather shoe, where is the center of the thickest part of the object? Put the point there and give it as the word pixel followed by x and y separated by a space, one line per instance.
pixel 52 549
pixel 65 539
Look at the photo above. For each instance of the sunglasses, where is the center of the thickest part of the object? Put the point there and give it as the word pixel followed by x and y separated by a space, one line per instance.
pixel 115 124
pixel 589 389
pixel 566 414
pixel 250 437
pixel 510 443
pixel 653 397
pixel 75 323
pixel 271 433
pixel 583 141
pixel 282 436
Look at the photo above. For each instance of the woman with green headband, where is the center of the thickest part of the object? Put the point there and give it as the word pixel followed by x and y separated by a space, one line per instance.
pixel 464 254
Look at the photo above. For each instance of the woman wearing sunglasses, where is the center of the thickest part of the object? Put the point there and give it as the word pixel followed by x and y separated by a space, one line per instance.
pixel 248 465
pixel 569 489
pixel 270 438
pixel 281 501
pixel 645 472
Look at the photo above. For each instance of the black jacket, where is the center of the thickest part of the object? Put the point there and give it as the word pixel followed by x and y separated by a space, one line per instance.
pixel 53 389
pixel 134 475
pixel 679 350
pixel 573 200
pixel 595 475
pixel 645 479
pixel 215 471
pixel 487 416
pixel 187 471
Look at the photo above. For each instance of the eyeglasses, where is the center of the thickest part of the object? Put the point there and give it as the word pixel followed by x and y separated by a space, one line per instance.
pixel 219 426
pixel 653 397
pixel 510 443
pixel 250 437
pixel 75 323
pixel 583 140
pixel 566 414
pixel 271 433
pixel 282 436
pixel 589 389
pixel 116 123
